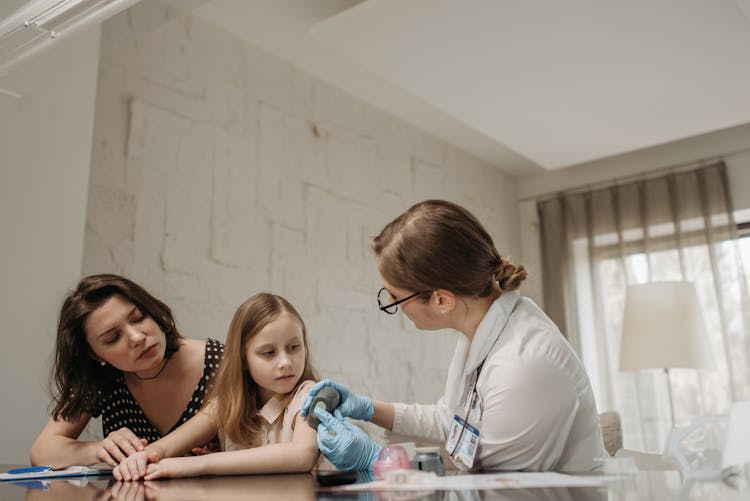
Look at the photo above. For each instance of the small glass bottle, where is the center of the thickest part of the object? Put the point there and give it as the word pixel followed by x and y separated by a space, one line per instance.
pixel 429 459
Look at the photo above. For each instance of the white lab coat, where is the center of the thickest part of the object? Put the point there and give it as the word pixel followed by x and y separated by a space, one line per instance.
pixel 538 407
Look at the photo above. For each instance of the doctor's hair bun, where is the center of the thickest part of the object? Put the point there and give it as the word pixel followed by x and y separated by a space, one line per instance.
pixel 508 275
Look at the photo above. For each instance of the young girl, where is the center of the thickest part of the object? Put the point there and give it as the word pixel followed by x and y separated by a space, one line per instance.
pixel 263 378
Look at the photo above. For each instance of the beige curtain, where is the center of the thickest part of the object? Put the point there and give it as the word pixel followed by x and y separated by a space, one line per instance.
pixel 675 227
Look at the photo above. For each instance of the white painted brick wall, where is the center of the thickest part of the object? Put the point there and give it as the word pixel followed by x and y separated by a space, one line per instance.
pixel 219 171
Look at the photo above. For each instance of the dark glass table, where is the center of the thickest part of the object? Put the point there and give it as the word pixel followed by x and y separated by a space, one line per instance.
pixel 657 485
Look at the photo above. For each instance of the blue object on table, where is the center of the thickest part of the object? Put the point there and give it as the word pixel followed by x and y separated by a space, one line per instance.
pixel 29 469
pixel 36 472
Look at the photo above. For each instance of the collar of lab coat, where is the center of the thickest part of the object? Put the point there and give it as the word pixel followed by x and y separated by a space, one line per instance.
pixel 490 329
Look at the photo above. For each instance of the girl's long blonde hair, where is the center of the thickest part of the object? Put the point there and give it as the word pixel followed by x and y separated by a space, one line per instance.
pixel 234 392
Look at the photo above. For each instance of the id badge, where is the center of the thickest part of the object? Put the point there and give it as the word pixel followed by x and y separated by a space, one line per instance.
pixel 463 439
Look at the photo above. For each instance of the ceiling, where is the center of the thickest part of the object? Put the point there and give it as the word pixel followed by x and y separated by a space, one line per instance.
pixel 528 86
pixel 8 7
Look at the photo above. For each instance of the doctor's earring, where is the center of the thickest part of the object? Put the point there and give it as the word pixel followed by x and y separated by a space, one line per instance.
pixel 442 311
pixel 102 363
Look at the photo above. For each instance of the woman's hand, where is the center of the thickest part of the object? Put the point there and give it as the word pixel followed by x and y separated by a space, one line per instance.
pixel 119 445
pixel 175 468
pixel 134 467
pixel 350 404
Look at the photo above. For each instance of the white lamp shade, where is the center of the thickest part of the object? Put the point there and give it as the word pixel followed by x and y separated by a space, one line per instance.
pixel 663 327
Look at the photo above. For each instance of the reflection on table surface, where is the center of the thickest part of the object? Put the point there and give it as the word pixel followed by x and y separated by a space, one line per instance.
pixel 644 486
pixel 545 494
pixel 295 487
pixel 259 487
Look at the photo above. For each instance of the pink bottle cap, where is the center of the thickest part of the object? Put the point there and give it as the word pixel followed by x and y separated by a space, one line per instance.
pixel 391 457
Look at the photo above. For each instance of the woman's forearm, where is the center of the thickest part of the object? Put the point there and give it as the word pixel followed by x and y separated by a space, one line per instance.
pixel 383 415
pixel 61 452
pixel 58 446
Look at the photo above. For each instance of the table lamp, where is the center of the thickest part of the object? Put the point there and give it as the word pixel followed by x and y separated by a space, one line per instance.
pixel 663 328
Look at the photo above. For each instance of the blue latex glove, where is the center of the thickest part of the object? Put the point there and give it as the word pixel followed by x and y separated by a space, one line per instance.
pixel 350 404
pixel 345 445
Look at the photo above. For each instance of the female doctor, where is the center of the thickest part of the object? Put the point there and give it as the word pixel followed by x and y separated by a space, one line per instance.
pixel 516 397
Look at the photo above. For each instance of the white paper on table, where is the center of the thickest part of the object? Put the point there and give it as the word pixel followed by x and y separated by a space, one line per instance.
pixel 485 481
pixel 737 443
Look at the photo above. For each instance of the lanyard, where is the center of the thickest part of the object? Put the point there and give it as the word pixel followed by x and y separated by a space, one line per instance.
pixel 472 401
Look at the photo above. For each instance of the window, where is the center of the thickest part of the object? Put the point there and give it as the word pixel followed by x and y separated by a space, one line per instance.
pixel 743 230
pixel 636 395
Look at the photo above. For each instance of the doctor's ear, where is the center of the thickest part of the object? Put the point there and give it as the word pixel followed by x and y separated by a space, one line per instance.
pixel 445 300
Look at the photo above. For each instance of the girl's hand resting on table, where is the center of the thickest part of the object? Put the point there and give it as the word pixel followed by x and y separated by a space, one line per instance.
pixel 174 468
pixel 134 467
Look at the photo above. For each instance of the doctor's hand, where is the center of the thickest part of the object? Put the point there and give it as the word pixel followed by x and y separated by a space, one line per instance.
pixel 350 404
pixel 344 444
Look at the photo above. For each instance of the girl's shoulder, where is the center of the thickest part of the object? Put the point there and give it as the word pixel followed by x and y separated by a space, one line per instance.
pixel 304 388
pixel 300 394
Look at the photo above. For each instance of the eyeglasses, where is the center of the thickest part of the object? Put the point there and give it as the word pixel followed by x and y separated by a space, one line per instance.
pixel 384 296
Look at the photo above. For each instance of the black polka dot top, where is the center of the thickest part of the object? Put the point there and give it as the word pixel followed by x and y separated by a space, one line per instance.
pixel 119 409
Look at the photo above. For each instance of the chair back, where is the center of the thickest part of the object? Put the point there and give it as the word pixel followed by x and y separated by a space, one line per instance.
pixel 611 431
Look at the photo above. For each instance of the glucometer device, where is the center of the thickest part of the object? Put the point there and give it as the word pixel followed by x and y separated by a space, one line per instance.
pixel 328 399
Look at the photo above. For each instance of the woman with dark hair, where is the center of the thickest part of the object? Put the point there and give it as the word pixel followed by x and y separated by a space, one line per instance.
pixel 119 354
pixel 516 397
